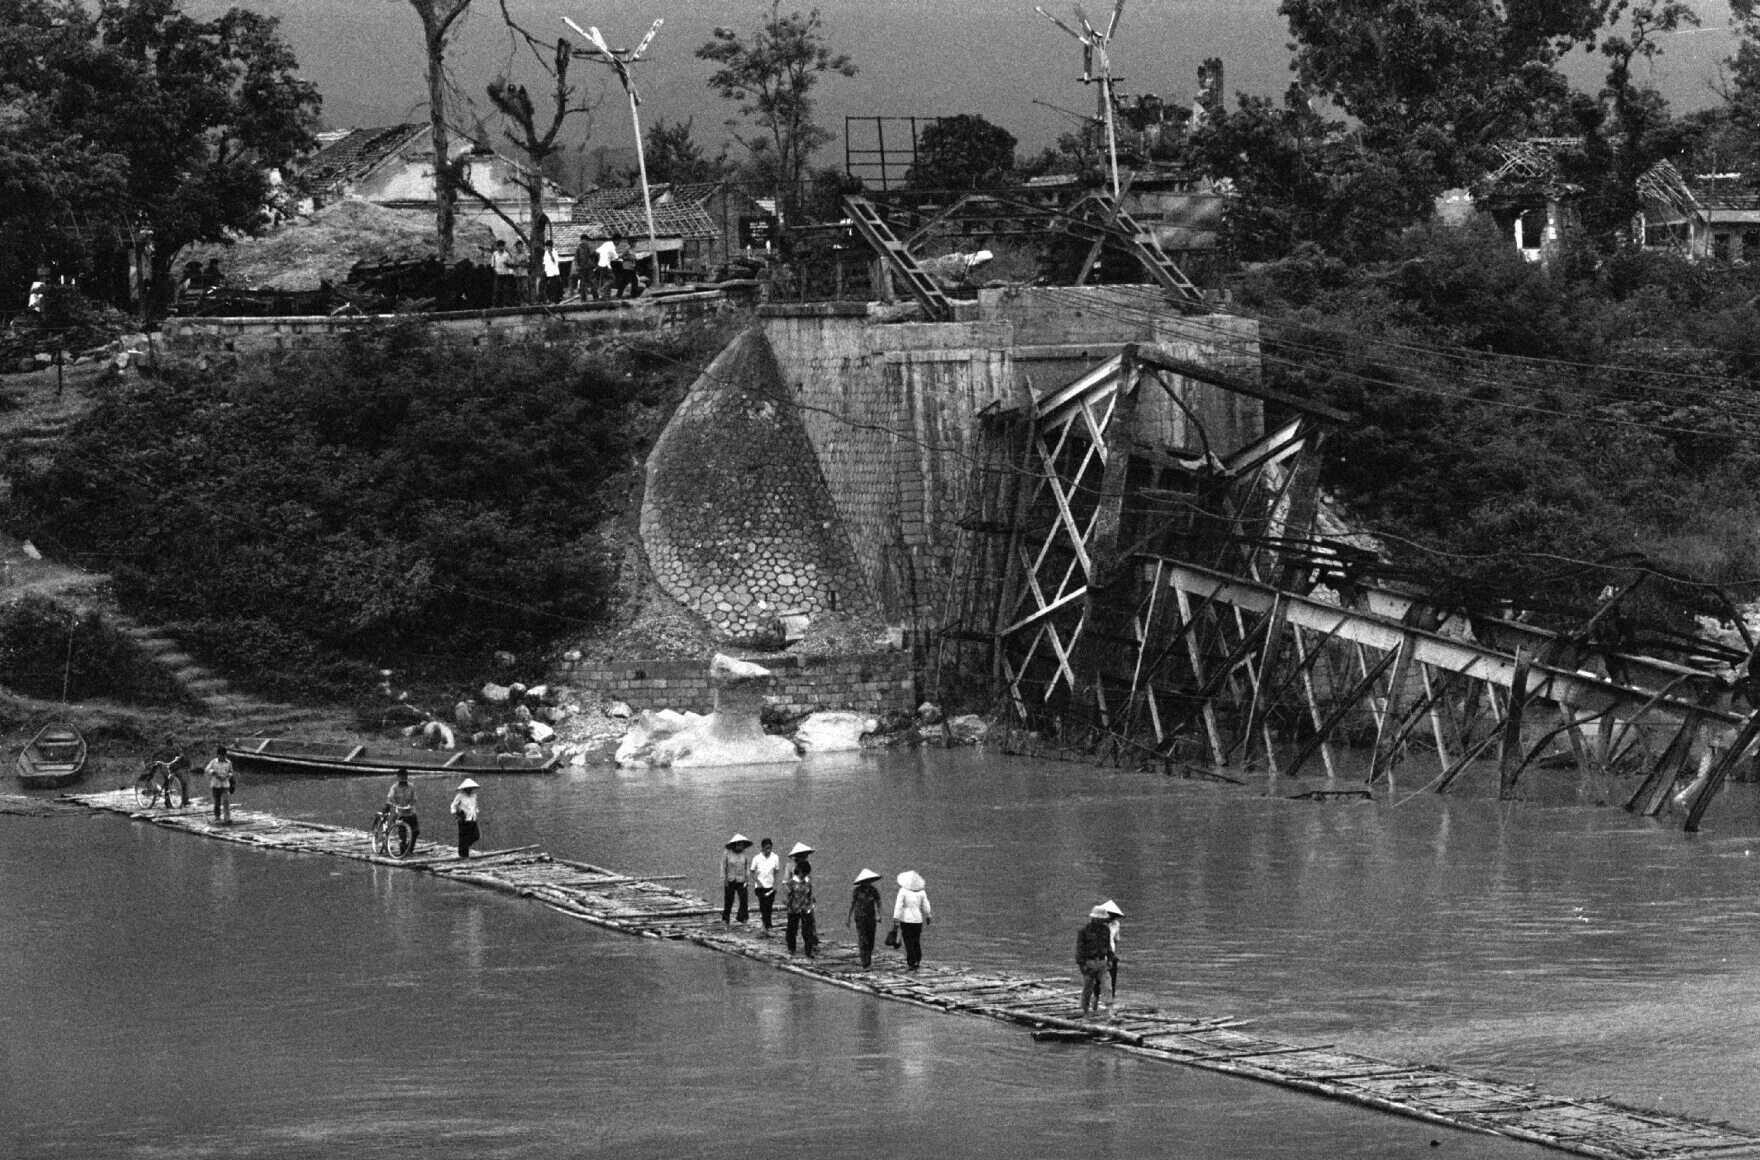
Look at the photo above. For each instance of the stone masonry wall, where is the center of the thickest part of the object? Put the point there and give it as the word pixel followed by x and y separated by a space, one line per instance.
pixel 892 411
pixel 736 519
pixel 249 335
pixel 874 683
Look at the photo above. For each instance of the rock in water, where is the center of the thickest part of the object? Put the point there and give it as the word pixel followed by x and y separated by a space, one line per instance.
pixel 732 735
pixel 495 694
pixel 833 731
pixel 966 729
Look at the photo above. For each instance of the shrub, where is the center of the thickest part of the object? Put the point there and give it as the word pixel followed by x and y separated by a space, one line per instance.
pixel 46 649
pixel 396 499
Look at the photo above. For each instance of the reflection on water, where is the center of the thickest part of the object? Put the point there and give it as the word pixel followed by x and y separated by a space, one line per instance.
pixel 1578 948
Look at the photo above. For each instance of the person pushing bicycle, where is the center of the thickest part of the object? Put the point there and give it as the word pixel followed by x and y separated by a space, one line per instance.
pixel 402 799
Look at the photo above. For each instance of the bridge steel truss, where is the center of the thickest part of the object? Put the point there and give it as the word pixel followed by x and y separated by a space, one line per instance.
pixel 1165 608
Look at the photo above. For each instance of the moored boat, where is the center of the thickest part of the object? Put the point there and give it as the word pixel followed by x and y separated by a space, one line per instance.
pixel 270 755
pixel 55 757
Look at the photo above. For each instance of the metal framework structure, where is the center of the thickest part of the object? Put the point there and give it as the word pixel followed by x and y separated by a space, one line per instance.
pixel 1166 605
pixel 882 165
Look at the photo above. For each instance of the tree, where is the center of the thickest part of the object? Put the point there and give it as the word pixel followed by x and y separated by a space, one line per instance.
pixel 1437 82
pixel 532 134
pixel 962 152
pixel 674 155
pixel 190 115
pixel 771 76
pixel 60 195
pixel 438 20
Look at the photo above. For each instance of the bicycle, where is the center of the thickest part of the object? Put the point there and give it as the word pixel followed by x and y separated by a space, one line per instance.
pixel 392 835
pixel 162 779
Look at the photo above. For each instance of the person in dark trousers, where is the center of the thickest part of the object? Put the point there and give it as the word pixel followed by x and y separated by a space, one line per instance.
pixel 1093 954
pixel 1113 914
pixel 220 777
pixel 465 809
pixel 734 873
pixel 910 912
pixel 864 914
pixel 801 923
pixel 763 870
pixel 402 799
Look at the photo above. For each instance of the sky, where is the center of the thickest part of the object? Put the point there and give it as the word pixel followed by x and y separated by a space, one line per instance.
pixel 916 57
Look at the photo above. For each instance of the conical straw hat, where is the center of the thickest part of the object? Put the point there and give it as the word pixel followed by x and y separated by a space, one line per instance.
pixel 911 880
pixel 867 875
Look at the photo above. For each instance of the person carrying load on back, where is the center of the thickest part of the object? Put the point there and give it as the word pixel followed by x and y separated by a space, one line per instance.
pixel 402 800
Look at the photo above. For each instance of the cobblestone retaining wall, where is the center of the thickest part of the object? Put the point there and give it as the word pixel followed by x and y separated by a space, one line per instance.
pixel 736 519
pixel 873 683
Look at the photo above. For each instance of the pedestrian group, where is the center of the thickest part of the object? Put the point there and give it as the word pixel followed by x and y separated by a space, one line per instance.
pixel 757 874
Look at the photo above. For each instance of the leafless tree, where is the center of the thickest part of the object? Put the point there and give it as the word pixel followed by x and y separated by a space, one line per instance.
pixel 439 18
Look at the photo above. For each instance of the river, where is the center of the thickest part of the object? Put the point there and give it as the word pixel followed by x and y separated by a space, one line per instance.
pixel 164 996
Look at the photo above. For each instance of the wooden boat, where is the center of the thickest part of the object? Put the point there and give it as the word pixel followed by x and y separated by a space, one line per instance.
pixel 55 757
pixel 269 755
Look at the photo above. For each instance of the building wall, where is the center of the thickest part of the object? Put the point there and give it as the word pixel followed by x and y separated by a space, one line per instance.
pixel 873 683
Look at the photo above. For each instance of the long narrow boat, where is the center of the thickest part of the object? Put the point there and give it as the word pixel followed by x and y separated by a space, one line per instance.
pixel 56 756
pixel 269 755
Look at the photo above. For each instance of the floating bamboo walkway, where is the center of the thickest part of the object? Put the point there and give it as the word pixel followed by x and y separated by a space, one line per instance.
pixel 644 906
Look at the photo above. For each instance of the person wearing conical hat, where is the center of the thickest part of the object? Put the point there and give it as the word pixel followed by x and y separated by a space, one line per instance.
pixel 734 875
pixel 465 808
pixel 802 925
pixel 864 914
pixel 1093 953
pixel 1113 914
pixel 762 875
pixel 910 913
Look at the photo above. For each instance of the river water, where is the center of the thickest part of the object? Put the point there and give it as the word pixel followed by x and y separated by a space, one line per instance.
pixel 164 996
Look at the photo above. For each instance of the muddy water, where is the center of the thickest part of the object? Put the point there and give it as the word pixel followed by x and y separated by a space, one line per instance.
pixel 164 996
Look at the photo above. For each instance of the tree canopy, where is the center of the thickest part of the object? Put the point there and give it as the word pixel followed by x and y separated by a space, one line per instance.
pixel 770 74
pixel 962 152
pixel 142 117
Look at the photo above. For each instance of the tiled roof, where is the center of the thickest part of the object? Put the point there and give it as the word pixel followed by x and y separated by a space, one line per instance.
pixel 352 154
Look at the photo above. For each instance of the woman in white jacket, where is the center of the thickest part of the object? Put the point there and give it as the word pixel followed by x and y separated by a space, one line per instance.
pixel 910 913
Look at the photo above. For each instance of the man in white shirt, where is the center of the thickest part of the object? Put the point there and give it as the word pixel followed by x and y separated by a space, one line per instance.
pixel 762 872
pixel 607 254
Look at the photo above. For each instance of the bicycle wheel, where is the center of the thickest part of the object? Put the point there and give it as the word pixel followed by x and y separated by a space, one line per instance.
pixel 381 837
pixel 401 841
pixel 146 794
pixel 176 793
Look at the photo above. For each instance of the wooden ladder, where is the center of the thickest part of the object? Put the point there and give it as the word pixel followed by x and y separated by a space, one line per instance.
pixel 879 235
pixel 1140 242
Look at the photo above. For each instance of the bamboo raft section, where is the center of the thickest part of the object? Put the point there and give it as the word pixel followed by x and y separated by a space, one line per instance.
pixel 642 906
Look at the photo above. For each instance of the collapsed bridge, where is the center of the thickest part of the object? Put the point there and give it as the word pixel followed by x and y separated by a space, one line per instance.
pixel 1165 597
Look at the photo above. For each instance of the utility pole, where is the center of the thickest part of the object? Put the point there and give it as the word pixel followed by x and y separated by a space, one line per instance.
pixel 1095 45
pixel 621 59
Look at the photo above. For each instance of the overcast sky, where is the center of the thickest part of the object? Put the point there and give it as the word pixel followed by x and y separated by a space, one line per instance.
pixel 917 57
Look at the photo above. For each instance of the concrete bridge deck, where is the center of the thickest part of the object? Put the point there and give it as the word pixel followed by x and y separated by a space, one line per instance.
pixel 648 908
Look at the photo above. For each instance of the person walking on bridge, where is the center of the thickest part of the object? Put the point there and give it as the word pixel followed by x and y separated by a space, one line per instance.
pixel 1113 914
pixel 911 912
pixel 735 874
pixel 1093 954
pixel 402 799
pixel 864 914
pixel 765 864
pixel 801 923
pixel 465 808
pixel 220 776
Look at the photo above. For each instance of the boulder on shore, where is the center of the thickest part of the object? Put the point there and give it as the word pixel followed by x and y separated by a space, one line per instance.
pixel 833 731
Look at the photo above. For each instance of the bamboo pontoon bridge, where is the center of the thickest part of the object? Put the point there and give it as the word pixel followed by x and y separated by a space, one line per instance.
pixel 647 907
pixel 1142 593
